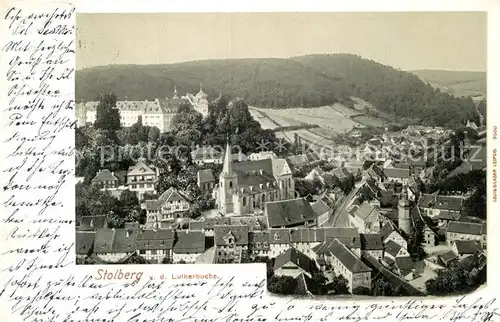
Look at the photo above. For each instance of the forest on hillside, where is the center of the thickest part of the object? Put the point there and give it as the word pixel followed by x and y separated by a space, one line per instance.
pixel 304 81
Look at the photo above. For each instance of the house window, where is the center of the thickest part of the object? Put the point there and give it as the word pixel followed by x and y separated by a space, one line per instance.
pixel 244 201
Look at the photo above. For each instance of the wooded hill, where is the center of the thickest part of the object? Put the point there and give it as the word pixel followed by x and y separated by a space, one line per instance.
pixel 308 81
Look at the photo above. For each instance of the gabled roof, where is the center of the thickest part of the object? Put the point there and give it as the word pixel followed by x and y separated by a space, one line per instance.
pixel 397 173
pixel 170 195
pixel 405 264
pixel 468 246
pixel 448 215
pixel 392 248
pixel 156 239
pixel 464 228
pixel 93 222
pixel 371 242
pixel 320 207
pixel 104 175
pixel 271 167
pixel 206 175
pixel 208 223
pixel 117 240
pixel 364 211
pixel 140 168
pixel 289 212
pixel 84 240
pixel 440 202
pixel 239 233
pixel 189 242
pixel 448 256
pixel 347 258
pixel 206 152
pixel 387 229
pixel 296 257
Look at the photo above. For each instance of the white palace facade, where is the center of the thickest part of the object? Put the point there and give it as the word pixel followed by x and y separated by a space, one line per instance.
pixel 158 112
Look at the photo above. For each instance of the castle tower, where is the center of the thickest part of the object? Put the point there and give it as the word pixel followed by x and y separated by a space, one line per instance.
pixel 404 220
pixel 228 181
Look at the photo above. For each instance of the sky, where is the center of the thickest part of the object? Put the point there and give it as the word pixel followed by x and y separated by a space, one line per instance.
pixel 405 40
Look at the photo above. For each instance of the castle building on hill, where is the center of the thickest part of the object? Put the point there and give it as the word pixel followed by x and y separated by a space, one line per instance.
pixel 158 112
pixel 199 102
pixel 245 187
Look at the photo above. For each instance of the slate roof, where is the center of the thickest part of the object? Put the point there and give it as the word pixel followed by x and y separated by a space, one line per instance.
pixel 206 175
pixel 387 229
pixel 104 175
pixel 464 228
pixel 259 239
pixel 289 212
pixel 440 202
pixel 93 222
pixel 468 246
pixel 364 211
pixel 84 241
pixel 189 242
pixel 238 232
pixel 156 239
pixel 392 248
pixel 320 207
pixel 447 215
pixel 279 236
pixel 208 223
pixel 396 173
pixel 405 264
pixel 117 240
pixel 347 258
pixel 271 167
pixel 371 242
pixel 448 256
pixel 296 257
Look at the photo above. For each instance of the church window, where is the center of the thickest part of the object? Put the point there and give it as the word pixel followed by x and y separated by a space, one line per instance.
pixel 263 197
pixel 230 184
pixel 244 201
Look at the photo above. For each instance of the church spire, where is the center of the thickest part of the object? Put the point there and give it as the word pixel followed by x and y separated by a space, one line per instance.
pixel 228 162
pixel 175 92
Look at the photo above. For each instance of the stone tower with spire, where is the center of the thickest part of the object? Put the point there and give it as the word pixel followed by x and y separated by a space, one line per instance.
pixel 228 181
pixel 404 220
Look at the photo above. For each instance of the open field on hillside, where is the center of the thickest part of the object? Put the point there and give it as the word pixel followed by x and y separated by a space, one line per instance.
pixel 334 119
pixel 368 121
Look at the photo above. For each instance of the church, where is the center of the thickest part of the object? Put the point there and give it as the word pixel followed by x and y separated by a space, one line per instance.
pixel 245 187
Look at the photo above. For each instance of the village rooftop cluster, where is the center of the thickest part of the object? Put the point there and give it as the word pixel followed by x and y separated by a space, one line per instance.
pixel 367 216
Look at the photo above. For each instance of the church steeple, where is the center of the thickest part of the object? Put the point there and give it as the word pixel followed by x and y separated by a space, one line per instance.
pixel 175 92
pixel 228 161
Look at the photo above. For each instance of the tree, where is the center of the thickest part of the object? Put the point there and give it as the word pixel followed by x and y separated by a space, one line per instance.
pixel 136 259
pixel 415 241
pixel 143 217
pixel 107 115
pixel 285 285
pixel 380 287
pixel 128 199
pixel 339 285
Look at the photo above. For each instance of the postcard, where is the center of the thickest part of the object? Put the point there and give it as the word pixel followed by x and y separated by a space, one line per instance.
pixel 245 163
